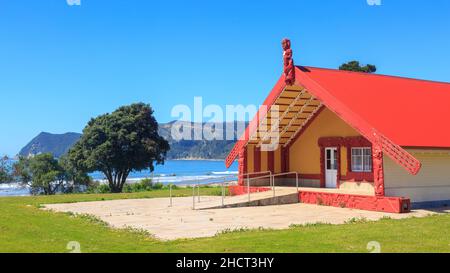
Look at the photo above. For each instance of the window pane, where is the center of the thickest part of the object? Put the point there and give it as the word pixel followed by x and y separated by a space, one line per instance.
pixel 357 160
pixel 328 164
pixel 367 159
pixel 367 163
pixel 357 163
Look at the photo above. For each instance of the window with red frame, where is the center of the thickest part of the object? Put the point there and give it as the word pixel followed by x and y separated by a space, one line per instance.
pixel 361 159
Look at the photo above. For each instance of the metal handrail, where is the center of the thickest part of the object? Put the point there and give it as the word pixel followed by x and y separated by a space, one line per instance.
pixel 249 179
pixel 247 174
pixel 270 175
pixel 286 173
pixel 193 196
pixel 197 184
pixel 223 183
pixel 228 183
pixel 170 193
pixel 259 177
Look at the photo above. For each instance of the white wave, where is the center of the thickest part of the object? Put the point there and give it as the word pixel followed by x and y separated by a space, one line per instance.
pixel 226 173
pixel 13 189
pixel 188 179
pixel 180 179
pixel 9 186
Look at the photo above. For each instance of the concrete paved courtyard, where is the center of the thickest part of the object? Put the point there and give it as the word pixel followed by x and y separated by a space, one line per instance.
pixel 180 221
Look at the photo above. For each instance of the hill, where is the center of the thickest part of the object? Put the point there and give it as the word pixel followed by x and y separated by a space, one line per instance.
pixel 59 144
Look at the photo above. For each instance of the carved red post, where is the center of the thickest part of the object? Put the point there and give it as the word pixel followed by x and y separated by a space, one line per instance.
pixel 378 172
pixel 289 68
pixel 241 166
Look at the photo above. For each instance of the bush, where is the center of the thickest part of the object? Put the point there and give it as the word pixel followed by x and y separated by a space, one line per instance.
pixel 97 187
pixel 158 186
pixel 145 184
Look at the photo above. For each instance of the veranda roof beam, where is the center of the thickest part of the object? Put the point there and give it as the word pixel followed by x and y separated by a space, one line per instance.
pixel 303 125
pixel 291 122
pixel 274 127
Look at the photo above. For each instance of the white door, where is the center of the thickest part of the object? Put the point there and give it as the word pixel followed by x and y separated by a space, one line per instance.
pixel 331 167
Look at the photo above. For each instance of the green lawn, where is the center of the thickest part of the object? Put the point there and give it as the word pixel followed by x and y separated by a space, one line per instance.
pixel 26 228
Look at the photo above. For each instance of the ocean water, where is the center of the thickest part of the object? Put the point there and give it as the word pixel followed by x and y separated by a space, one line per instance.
pixel 182 172
pixel 13 189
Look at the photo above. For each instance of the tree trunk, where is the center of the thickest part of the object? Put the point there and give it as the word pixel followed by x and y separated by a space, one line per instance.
pixel 116 189
pixel 116 180
pixel 124 177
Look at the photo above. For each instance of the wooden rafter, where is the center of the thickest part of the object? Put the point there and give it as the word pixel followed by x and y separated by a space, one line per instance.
pixel 296 117
pixel 262 119
pixel 275 127
pixel 293 136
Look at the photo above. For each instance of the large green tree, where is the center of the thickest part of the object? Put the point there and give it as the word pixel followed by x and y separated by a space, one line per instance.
pixel 74 175
pixel 118 143
pixel 357 67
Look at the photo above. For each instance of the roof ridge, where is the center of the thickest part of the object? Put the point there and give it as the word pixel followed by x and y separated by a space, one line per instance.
pixel 373 75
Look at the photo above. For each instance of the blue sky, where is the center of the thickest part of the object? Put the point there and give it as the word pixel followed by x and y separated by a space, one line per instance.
pixel 60 65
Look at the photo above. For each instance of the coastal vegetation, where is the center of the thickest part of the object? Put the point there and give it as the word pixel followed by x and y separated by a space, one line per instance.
pixel 144 185
pixel 114 144
pixel 118 143
pixel 27 228
pixel 5 170
pixel 355 66
pixel 44 174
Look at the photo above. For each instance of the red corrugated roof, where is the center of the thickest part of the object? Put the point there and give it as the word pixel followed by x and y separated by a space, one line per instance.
pixel 389 111
pixel 410 112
